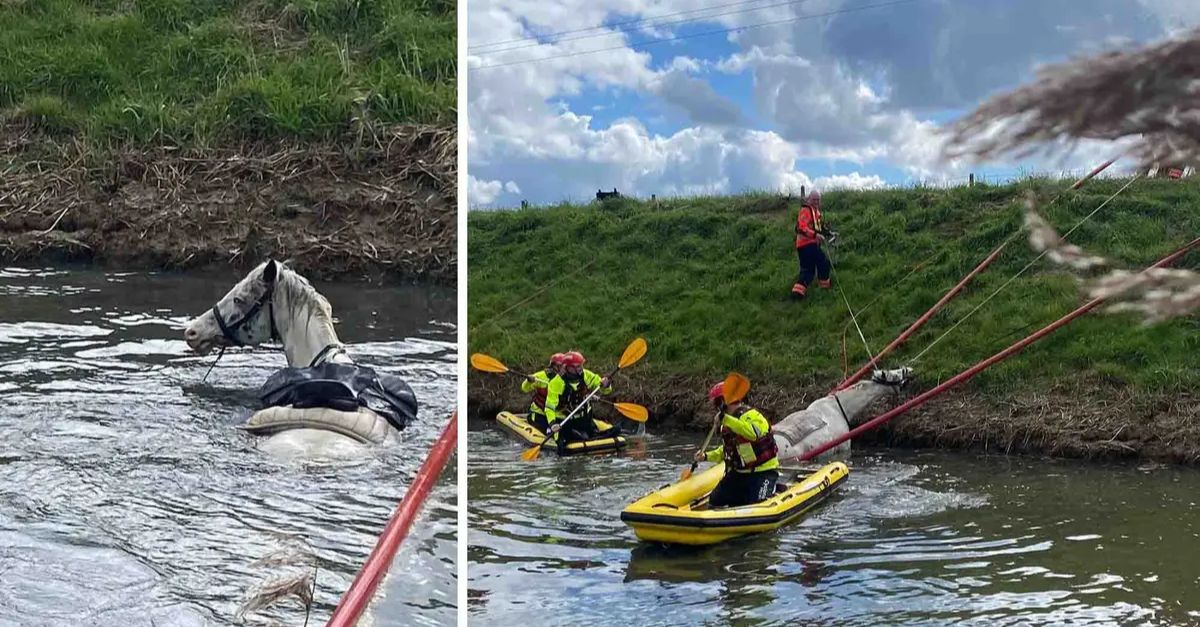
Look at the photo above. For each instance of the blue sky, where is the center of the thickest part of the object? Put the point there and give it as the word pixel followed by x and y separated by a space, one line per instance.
pixel 833 93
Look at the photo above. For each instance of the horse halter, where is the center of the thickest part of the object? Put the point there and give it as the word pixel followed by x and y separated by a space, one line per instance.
pixel 229 330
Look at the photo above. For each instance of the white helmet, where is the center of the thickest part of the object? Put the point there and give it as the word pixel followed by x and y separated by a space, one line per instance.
pixel 813 197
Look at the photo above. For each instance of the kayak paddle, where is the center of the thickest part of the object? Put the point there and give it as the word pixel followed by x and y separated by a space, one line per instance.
pixel 633 353
pixel 632 411
pixel 736 386
pixel 487 363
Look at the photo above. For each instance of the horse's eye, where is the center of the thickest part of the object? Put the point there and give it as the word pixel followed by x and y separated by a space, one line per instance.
pixel 237 300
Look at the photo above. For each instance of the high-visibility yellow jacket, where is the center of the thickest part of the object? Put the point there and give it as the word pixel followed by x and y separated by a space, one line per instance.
pixel 748 445
pixel 562 397
pixel 538 387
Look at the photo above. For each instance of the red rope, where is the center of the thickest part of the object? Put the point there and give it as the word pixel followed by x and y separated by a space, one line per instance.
pixel 914 327
pixel 1100 168
pixel 954 292
pixel 351 607
pixel 983 365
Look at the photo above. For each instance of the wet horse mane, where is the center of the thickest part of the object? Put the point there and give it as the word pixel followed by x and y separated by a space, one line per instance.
pixel 299 294
pixel 304 307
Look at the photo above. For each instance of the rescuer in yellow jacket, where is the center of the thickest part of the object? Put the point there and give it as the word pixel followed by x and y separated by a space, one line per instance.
pixel 538 385
pixel 748 450
pixel 565 392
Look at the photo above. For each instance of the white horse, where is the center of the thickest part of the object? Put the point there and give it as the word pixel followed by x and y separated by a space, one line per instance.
pixel 832 416
pixel 274 303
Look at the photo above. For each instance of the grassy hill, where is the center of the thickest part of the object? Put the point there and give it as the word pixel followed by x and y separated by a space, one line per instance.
pixel 180 134
pixel 209 70
pixel 706 281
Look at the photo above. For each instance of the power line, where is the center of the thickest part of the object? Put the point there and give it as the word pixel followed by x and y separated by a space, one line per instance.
pixel 618 29
pixel 650 24
pixel 722 31
pixel 615 25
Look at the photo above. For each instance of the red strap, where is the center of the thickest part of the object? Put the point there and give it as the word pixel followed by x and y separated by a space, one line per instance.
pixel 363 588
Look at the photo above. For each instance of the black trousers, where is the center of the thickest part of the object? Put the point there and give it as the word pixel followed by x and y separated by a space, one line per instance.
pixel 744 488
pixel 539 420
pixel 812 261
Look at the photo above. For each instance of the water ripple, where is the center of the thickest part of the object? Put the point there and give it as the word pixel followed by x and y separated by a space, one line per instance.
pixel 911 539
pixel 127 497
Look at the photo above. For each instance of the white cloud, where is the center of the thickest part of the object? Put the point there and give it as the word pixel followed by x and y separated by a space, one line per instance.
pixel 486 192
pixel 854 180
pixel 854 87
pixel 686 64
pixel 696 98
pixel 741 61
pixel 1175 15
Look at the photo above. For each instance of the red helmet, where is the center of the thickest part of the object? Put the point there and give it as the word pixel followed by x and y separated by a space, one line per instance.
pixel 574 358
pixel 557 359
pixel 716 392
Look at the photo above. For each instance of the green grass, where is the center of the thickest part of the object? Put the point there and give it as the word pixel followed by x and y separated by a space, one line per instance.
pixel 204 70
pixel 706 281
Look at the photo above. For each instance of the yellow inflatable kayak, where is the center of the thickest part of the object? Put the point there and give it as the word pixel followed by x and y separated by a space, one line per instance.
pixel 679 513
pixel 531 434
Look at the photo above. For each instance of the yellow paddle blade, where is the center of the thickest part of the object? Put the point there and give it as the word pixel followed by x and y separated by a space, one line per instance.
pixel 633 411
pixel 532 453
pixel 686 474
pixel 487 363
pixel 635 351
pixel 736 387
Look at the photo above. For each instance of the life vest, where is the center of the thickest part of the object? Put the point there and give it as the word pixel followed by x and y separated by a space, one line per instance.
pixel 539 400
pixel 814 223
pixel 573 394
pixel 745 455
pixel 538 404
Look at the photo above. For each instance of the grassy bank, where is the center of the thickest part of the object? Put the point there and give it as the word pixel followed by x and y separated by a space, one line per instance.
pixel 706 282
pixel 195 133
pixel 197 71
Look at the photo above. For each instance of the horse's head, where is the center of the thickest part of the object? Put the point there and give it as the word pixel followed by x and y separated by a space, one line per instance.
pixel 243 317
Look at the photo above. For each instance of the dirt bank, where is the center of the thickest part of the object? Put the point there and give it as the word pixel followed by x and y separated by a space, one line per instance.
pixel 1090 419
pixel 367 206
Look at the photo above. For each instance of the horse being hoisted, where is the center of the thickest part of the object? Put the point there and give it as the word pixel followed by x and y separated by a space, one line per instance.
pixel 831 416
pixel 322 404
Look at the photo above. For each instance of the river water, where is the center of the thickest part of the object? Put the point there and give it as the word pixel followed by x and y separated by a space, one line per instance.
pixel 127 496
pixel 913 538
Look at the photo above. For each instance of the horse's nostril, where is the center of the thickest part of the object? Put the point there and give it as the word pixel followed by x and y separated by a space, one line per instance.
pixel 190 334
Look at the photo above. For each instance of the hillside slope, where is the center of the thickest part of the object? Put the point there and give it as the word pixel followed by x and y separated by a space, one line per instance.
pixel 216 70
pixel 706 282
pixel 177 134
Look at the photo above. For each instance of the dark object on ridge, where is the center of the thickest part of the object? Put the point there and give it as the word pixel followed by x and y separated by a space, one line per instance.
pixel 344 387
pixel 606 195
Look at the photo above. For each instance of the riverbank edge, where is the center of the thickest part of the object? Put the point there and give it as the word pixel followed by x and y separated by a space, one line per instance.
pixel 381 207
pixel 1077 419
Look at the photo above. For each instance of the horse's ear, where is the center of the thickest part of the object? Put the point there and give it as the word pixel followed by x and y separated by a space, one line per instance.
pixel 270 271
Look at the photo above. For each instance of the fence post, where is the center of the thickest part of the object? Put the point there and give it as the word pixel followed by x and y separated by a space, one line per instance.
pixel 971 180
